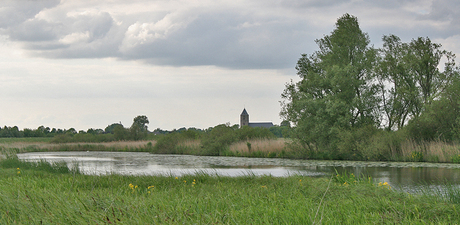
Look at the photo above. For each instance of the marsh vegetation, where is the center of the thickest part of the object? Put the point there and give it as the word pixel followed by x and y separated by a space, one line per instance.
pixel 35 193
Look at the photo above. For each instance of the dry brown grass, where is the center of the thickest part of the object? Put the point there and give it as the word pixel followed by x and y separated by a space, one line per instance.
pixel 262 145
pixel 435 151
pixel 116 145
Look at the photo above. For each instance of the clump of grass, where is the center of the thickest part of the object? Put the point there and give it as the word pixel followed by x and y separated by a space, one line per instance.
pixel 13 161
pixel 446 191
pixel 433 151
pixel 346 179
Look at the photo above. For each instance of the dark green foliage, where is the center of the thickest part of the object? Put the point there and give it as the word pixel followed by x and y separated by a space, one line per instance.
pixel 281 131
pixel 214 141
pixel 169 143
pixel 166 144
pixel 352 98
pixel 139 127
pixel 219 139
pixel 111 128
pixel 337 91
pixel 441 119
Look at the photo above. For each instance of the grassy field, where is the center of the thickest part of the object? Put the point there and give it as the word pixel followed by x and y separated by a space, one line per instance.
pixel 39 193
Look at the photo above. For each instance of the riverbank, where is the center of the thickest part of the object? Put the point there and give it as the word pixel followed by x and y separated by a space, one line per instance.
pixel 433 152
pixel 30 196
pixel 22 145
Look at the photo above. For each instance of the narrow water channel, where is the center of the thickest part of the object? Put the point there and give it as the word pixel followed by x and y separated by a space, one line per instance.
pixel 404 176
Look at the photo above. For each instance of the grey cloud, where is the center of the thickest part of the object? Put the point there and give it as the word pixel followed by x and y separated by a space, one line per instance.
pixel 236 38
pixel 78 36
pixel 302 4
pixel 34 31
pixel 98 25
pixel 222 39
pixel 14 12
pixel 445 11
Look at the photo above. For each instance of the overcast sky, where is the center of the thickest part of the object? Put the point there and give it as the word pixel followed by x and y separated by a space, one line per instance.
pixel 191 63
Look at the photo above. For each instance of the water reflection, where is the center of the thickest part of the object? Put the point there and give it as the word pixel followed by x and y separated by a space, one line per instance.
pixel 406 176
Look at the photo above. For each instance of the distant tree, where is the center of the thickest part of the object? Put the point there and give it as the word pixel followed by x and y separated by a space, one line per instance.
pixel 15 132
pixel 142 121
pixel 110 128
pixel 28 132
pixel 94 131
pixel 139 127
pixel 71 131
pixel 120 133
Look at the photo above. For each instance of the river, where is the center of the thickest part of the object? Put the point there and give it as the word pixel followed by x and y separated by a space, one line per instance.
pixel 407 176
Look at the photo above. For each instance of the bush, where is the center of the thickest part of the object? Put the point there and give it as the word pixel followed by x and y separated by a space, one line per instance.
pixel 166 144
pixel 218 139
pixel 171 143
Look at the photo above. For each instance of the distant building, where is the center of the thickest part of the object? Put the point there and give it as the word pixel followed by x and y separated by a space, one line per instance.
pixel 244 121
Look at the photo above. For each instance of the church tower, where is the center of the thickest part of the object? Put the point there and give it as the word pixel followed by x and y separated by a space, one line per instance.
pixel 244 118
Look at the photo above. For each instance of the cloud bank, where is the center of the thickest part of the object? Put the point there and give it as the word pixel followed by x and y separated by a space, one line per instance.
pixel 231 34
pixel 90 63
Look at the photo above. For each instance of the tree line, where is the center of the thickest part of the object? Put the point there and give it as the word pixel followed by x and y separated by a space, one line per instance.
pixel 113 132
pixel 353 98
pixel 117 132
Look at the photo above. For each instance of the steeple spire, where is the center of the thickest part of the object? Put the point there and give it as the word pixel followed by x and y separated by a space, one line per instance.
pixel 244 118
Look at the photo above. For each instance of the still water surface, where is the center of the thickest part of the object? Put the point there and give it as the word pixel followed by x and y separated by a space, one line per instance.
pixel 404 176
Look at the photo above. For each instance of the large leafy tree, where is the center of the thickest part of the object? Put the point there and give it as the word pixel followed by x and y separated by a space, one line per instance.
pixel 337 89
pixel 399 92
pixel 139 127
pixel 410 78
pixel 424 58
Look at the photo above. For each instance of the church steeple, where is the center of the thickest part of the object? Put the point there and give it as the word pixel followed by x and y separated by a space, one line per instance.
pixel 244 118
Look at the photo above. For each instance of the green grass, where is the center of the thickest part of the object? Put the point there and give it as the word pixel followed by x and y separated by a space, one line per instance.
pixel 39 195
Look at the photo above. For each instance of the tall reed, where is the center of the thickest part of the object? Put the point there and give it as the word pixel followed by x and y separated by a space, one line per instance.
pixel 434 151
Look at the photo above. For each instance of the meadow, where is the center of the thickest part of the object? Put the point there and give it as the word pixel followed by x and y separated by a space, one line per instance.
pixel 41 193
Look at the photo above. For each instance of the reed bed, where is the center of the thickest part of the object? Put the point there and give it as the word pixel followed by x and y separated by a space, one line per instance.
pixel 19 147
pixel 435 151
pixel 261 145
pixel 190 143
